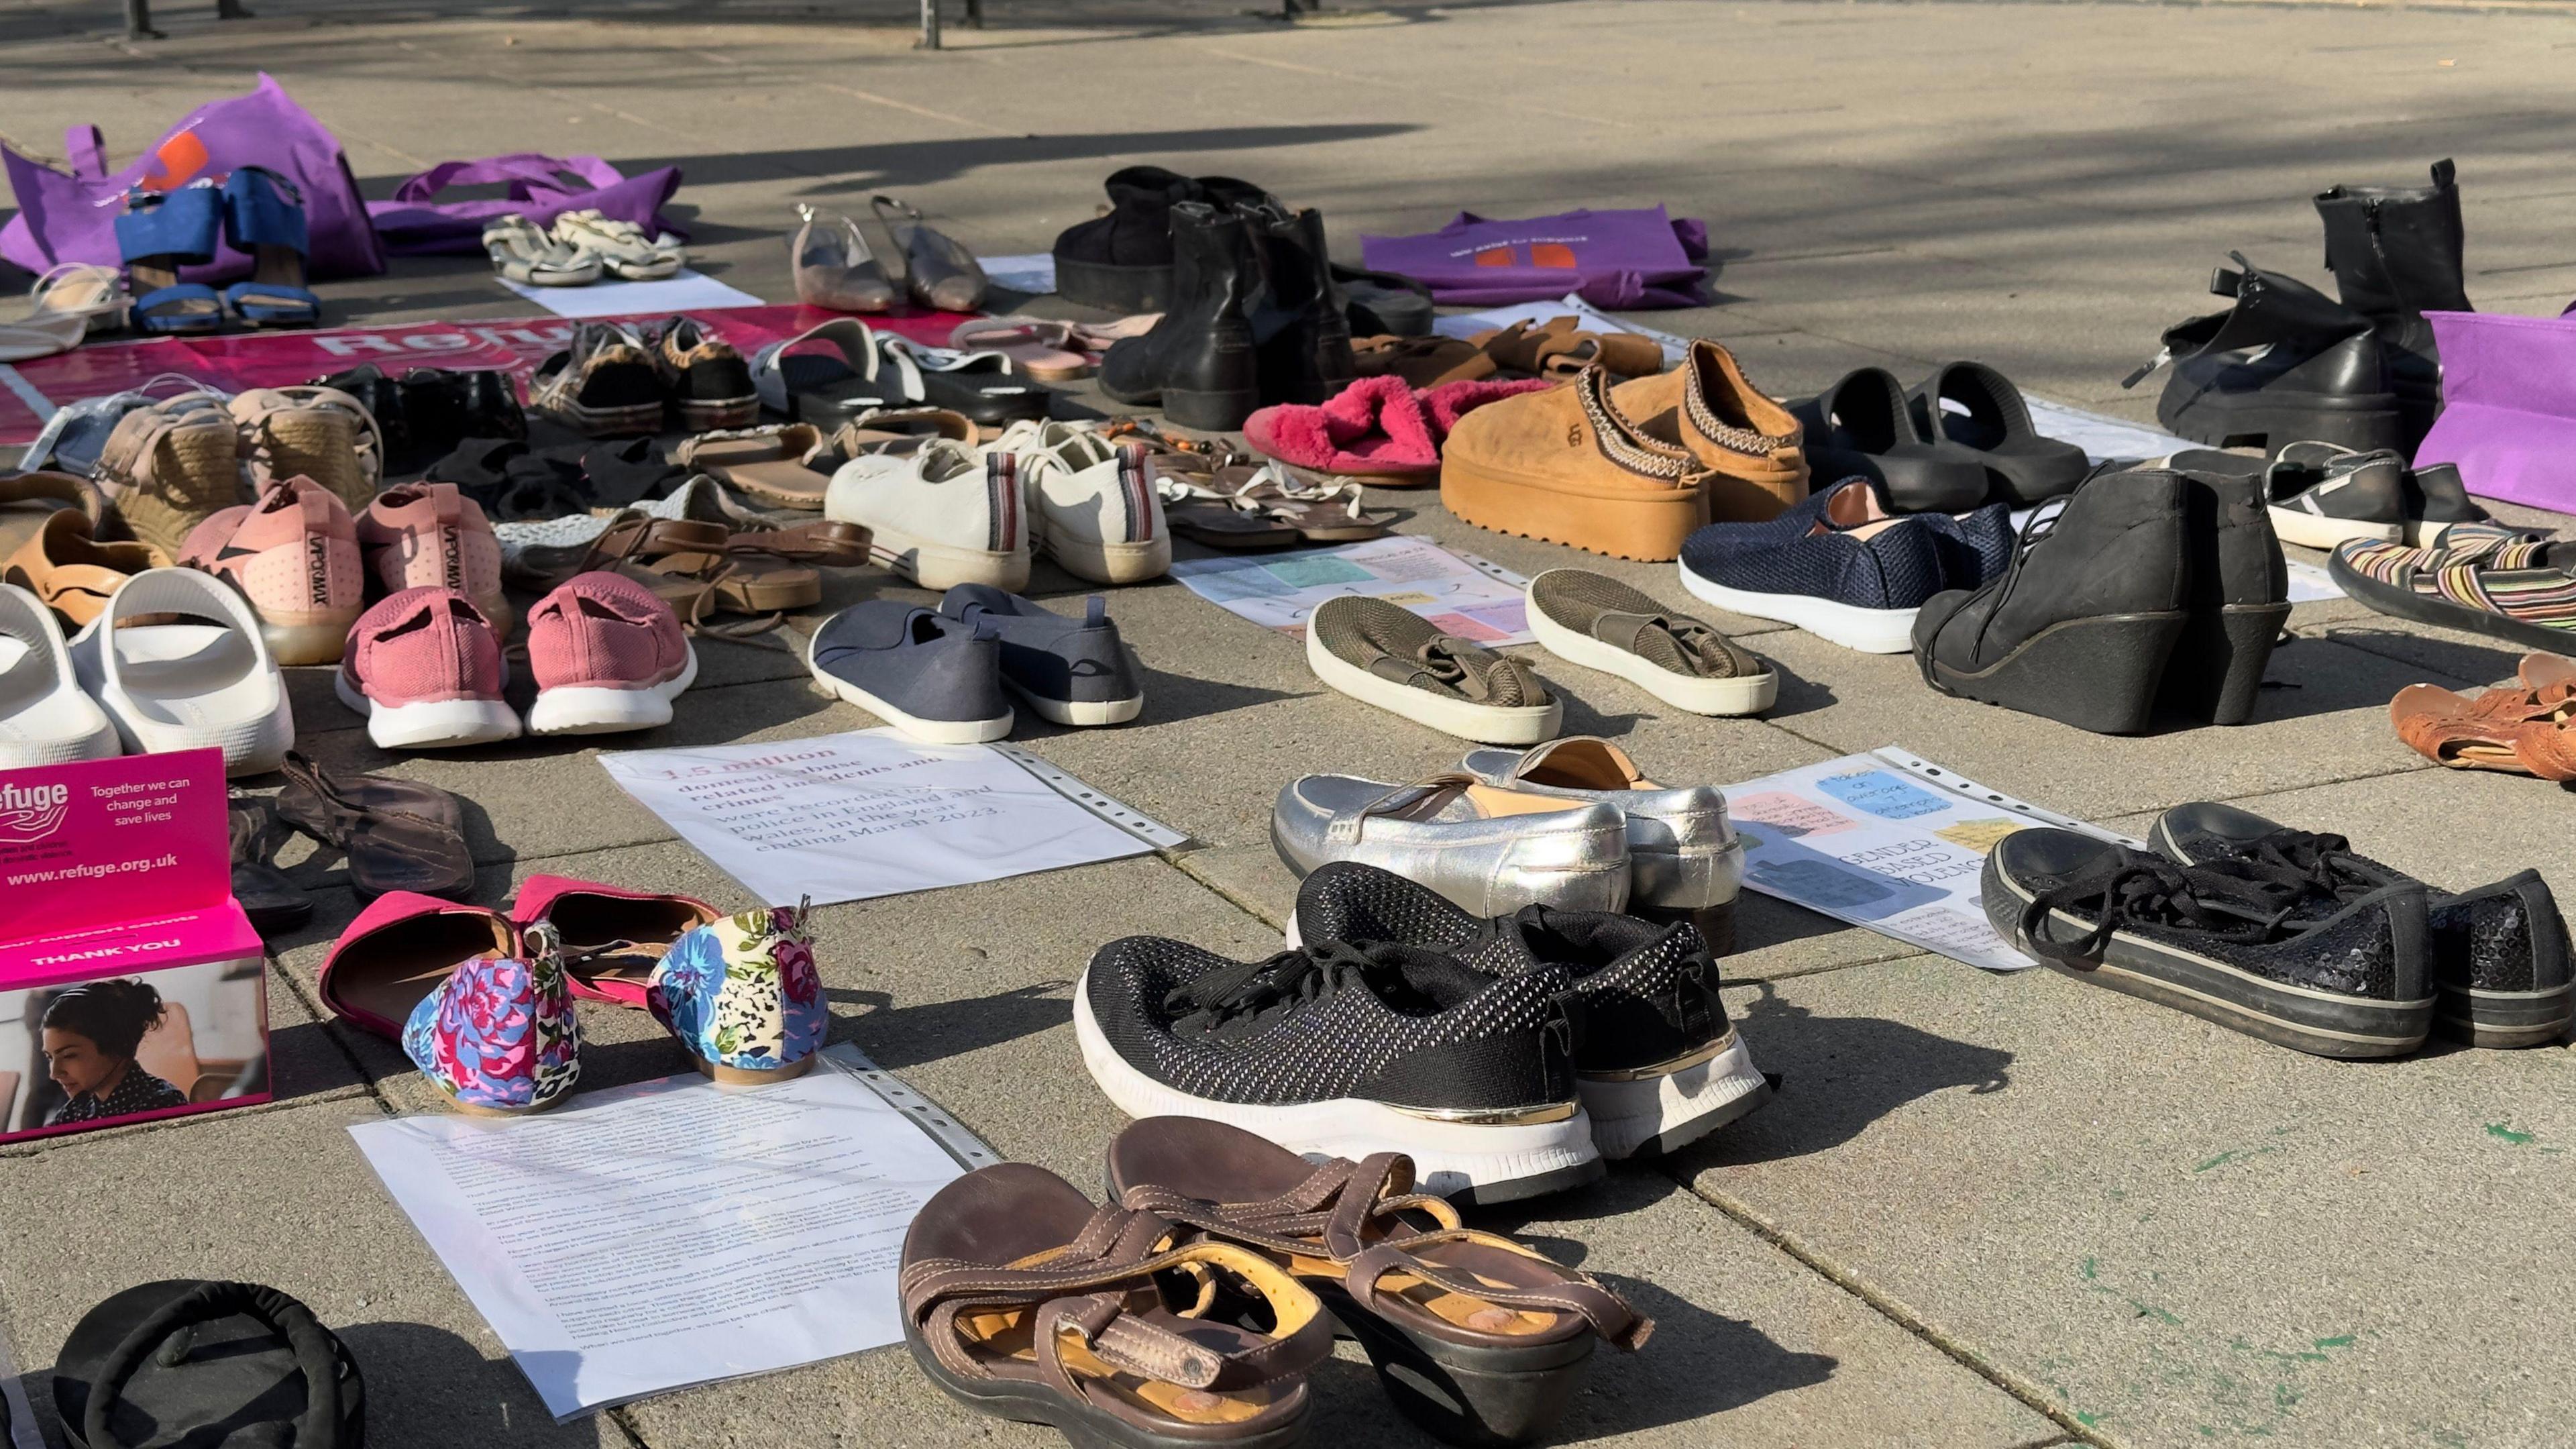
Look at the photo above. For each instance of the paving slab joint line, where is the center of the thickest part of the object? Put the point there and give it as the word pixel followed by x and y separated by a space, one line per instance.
pixel 2032 1395
pixel 1231 897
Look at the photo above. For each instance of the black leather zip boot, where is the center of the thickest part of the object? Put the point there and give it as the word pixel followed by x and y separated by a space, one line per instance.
pixel 2085 618
pixel 1299 327
pixel 2286 364
pixel 2395 252
pixel 1198 361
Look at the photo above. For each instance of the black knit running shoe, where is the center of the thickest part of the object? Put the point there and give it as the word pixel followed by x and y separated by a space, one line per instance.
pixel 1656 1060
pixel 2219 940
pixel 2499 953
pixel 1347 1051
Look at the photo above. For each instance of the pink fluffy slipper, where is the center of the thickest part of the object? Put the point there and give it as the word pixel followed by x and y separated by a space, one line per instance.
pixel 1375 428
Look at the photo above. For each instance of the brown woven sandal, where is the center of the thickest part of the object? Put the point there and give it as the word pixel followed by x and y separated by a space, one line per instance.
pixel 1023 1300
pixel 319 433
pixel 1479 1339
pixel 2529 730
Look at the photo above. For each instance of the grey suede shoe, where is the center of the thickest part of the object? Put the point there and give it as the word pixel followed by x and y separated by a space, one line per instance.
pixel 936 679
pixel 1491 851
pixel 1682 853
pixel 1600 623
pixel 1386 655
pixel 1071 671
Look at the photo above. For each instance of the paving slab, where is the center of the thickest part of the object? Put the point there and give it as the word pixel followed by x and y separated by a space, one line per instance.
pixel 2286 1260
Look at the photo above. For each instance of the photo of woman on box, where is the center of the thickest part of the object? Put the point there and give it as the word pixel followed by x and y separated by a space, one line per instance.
pixel 90 1036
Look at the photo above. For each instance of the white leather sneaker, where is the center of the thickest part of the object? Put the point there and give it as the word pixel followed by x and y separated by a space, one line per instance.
pixel 1092 504
pixel 942 515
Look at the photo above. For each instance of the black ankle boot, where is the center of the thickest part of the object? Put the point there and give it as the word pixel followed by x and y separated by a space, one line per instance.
pixel 1198 361
pixel 2082 623
pixel 1299 327
pixel 1123 261
pixel 2240 598
pixel 2395 253
pixel 2286 364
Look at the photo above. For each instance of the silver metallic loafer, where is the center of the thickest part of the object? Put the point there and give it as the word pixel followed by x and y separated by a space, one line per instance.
pixel 1491 851
pixel 1682 853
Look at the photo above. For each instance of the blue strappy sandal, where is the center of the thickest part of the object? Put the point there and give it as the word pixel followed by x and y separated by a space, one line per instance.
pixel 160 232
pixel 264 216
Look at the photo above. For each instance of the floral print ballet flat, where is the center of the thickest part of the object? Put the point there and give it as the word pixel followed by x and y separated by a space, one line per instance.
pixel 742 996
pixel 499 1036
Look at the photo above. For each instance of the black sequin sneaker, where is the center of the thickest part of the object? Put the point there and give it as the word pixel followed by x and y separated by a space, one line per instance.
pixel 2499 953
pixel 1655 1059
pixel 1345 1051
pixel 2218 940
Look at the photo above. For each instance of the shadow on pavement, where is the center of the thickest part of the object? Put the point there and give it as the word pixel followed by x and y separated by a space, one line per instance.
pixel 896 1037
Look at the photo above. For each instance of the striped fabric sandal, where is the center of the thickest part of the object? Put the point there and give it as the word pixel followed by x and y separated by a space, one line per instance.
pixel 1477 1338
pixel 1024 1301
pixel 2486 578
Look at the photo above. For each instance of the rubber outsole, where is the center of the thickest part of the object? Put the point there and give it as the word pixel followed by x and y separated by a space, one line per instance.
pixel 599 710
pixel 2408 604
pixel 945 566
pixel 1025 1402
pixel 2100 674
pixel 1750 695
pixel 1648 527
pixel 446 724
pixel 1647 1116
pixel 2321 1023
pixel 1871 631
pixel 1485 723
pixel 2272 417
pixel 1079 713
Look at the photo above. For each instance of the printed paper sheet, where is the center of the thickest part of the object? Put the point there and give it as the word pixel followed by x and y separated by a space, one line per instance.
pixel 1463 594
pixel 673 1232
pixel 870 813
pixel 1888 841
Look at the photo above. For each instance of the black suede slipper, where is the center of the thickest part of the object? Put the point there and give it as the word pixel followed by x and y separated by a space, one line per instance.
pixel 198 1362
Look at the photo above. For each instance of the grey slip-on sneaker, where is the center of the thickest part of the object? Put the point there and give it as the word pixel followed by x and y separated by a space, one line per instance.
pixel 1071 671
pixel 1386 655
pixel 936 679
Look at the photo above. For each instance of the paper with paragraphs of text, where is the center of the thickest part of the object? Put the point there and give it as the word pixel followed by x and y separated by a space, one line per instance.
pixel 1889 841
pixel 869 813
pixel 673 1232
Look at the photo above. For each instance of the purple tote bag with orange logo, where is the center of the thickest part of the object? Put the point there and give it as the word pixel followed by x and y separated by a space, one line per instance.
pixel 1616 260
pixel 2508 406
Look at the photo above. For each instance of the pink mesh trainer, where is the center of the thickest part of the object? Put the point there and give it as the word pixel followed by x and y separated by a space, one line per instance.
pixel 425 668
pixel 430 536
pixel 608 655
pixel 294 555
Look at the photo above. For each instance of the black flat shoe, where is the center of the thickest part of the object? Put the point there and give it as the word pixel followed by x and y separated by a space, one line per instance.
pixel 1862 427
pixel 275 904
pixel 1975 408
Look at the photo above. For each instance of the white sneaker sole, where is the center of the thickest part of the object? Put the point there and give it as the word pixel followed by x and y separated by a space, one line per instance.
pixel 1081 712
pixel 928 731
pixel 1484 723
pixel 2307 529
pixel 945 566
pixel 1871 631
pixel 1749 695
pixel 439 724
pixel 598 710
pixel 1111 563
pixel 1488 1162
pixel 1651 1114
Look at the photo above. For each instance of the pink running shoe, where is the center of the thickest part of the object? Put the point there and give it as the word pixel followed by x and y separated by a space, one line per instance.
pixel 608 656
pixel 430 536
pixel 294 555
pixel 425 668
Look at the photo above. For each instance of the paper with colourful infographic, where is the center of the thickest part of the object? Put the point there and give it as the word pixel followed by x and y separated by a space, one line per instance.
pixel 1890 841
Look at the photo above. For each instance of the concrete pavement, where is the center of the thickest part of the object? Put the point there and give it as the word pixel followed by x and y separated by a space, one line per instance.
pixel 1998 1212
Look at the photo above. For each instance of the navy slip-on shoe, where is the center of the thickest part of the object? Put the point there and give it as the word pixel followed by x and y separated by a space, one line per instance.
pixel 1858 588
pixel 1071 671
pixel 936 679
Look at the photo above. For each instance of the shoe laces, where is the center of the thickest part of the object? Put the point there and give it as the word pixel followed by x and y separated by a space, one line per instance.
pixel 2323 864
pixel 1290 980
pixel 2227 899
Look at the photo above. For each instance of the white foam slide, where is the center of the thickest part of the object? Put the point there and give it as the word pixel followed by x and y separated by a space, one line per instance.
pixel 44 717
pixel 208 682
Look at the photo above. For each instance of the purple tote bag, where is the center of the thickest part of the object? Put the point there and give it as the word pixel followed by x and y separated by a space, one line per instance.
pixel 541 188
pixel 71 217
pixel 2508 406
pixel 1617 260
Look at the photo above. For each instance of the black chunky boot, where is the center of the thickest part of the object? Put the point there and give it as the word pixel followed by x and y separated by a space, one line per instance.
pixel 2082 623
pixel 2240 598
pixel 1198 361
pixel 2286 364
pixel 1299 327
pixel 2395 252
pixel 1123 260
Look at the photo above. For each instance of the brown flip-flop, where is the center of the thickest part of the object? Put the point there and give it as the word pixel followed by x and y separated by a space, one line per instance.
pixel 398 835
pixel 1480 1339
pixel 765 464
pixel 1023 1300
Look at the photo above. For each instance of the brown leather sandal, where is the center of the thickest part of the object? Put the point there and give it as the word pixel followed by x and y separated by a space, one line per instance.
pixel 1477 1338
pixel 1023 1300
pixel 764 464
pixel 2526 731
pixel 1559 347
pixel 1422 361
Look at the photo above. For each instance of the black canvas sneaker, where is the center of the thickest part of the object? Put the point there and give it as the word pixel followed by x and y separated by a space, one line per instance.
pixel 1655 1059
pixel 2220 941
pixel 2499 953
pixel 1345 1051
